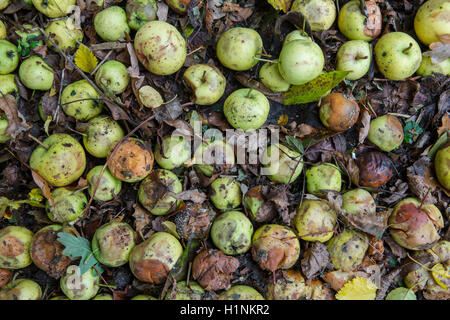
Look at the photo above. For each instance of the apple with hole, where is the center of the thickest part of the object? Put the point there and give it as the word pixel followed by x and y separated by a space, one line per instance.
pixel 246 109
pixel 320 13
pixel 355 25
pixel 354 56
pixel 238 48
pixel 160 47
pixel 207 83
pixel 432 21
pixel 300 61
pixel 397 55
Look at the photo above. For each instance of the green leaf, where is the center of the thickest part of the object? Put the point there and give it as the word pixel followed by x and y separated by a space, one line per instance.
pixel 315 89
pixel 295 144
pixel 412 131
pixel 76 247
pixel 401 293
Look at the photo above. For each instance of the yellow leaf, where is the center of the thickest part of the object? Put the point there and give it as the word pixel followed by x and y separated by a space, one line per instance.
pixel 85 59
pixel 36 195
pixel 357 289
pixel 281 4
pixel 171 228
pixel 283 120
pixel 441 275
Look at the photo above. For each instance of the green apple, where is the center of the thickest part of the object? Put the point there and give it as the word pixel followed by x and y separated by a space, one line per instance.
pixel 108 187
pixel 112 243
pixel 232 232
pixel 85 288
pixel 397 55
pixel 386 132
pixel 354 56
pixel 179 6
pixel 282 164
pixel 64 34
pixel 173 152
pixel 325 176
pixel 54 8
pixel 103 296
pixel 270 76
pixel 139 12
pixel 15 245
pixel 238 47
pixel 207 83
pixel 62 160
pixel 2 30
pixel 160 47
pixel 3 127
pixel 296 35
pixel 7 84
pixel 112 76
pixel 4 4
pixel 320 13
pixel 101 134
pixel 153 192
pixel 300 61
pixel 81 101
pixel 212 157
pixel 225 193
pixel 432 21
pixel 355 25
pixel 347 249
pixel 149 97
pixel 246 109
pixel 185 291
pixel 36 74
pixel 21 289
pixel 68 205
pixel 240 292
pixel 111 24
pixel 442 166
pixel 9 57
pixel 427 67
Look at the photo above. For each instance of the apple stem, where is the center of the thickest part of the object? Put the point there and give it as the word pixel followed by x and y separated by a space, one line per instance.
pixel 265 60
pixel 198 49
pixel 409 47
pixel 77 132
pixel 264 55
pixel 187 104
pixel 249 92
pixel 360 58
pixel 424 198
pixel 38 141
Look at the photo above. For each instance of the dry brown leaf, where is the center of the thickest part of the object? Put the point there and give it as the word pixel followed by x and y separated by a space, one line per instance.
pixel 315 259
pixel 190 195
pixel 16 121
pixel 236 12
pixel 43 185
pixel 445 126
pixel 142 218
pixel 363 130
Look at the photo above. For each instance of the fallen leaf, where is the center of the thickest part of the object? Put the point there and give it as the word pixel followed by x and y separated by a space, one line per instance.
pixel 396 249
pixel 283 120
pixel 315 259
pixel 439 53
pixel 236 12
pixel 421 179
pixel 283 5
pixel 363 130
pixel 314 89
pixel 346 162
pixel 16 121
pixel 85 59
pixel 43 185
pixel 142 218
pixel 191 195
pixel 445 126
pixel 357 289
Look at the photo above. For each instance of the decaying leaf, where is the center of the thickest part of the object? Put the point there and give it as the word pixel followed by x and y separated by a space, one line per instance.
pixel 16 121
pixel 314 89
pixel 363 130
pixel 283 5
pixel 194 195
pixel 315 259
pixel 142 218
